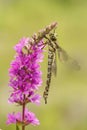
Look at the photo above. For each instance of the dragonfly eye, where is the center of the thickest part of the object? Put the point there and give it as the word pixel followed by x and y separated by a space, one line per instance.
pixel 52 36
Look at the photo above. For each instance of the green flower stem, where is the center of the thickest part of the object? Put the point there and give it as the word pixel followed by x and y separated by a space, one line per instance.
pixel 23 114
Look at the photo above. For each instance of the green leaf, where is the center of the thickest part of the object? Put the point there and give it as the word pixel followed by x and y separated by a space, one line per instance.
pixel 17 128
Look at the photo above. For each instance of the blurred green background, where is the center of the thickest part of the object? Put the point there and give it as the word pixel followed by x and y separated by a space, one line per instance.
pixel 67 102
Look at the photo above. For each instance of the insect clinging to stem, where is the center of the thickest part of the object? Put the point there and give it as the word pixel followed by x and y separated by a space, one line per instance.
pixel 50 39
pixel 53 48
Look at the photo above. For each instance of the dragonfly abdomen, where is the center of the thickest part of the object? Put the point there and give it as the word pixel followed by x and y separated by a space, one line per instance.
pixel 49 73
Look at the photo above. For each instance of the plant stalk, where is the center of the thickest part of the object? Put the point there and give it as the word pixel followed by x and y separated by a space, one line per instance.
pixel 23 114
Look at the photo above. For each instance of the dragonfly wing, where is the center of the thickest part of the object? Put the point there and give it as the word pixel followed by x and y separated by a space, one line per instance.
pixel 64 57
pixel 73 64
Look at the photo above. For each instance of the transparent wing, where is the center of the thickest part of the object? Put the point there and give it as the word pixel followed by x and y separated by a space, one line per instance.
pixel 64 57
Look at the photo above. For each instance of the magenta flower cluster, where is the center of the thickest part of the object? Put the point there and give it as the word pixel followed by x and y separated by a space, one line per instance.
pixel 25 79
pixel 17 118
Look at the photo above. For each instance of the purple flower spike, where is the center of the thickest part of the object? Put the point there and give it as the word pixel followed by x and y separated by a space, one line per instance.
pixel 25 74
pixel 25 80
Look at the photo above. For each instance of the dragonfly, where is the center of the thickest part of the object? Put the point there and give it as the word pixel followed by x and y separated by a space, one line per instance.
pixel 53 48
pixel 50 39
